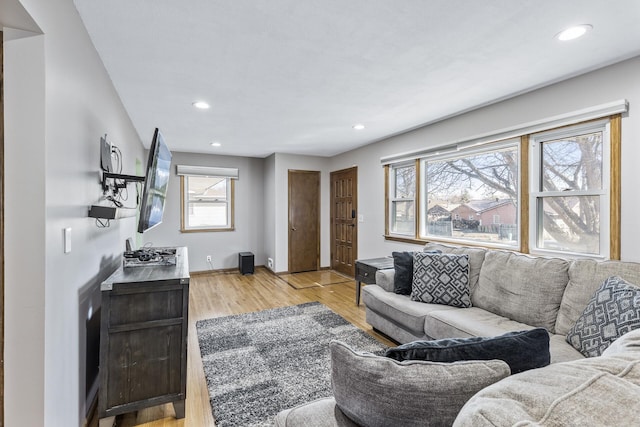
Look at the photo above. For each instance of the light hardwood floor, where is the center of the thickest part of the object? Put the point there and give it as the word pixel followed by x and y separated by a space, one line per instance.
pixel 225 293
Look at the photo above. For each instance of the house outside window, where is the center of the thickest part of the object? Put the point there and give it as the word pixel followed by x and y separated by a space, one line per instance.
pixel 207 201
pixel 570 190
pixel 402 190
pixel 474 186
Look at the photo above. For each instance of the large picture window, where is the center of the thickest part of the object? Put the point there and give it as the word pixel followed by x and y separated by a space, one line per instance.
pixel 472 195
pixel 548 190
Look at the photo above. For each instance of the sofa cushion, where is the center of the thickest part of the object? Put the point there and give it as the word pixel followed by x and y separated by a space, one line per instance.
pixel 319 413
pixel 578 393
pixel 468 322
pixel 441 279
pixel 376 391
pixel 523 288
pixel 522 350
pixel 561 350
pixel 613 311
pixel 476 258
pixel 585 277
pixel 404 312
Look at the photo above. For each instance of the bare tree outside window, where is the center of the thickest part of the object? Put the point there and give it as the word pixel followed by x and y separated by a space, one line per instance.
pixel 571 165
pixel 475 189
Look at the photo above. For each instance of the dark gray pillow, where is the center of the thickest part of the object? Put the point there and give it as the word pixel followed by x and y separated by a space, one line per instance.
pixel 441 279
pixel 613 311
pixel 403 276
pixel 376 391
pixel 403 266
pixel 521 350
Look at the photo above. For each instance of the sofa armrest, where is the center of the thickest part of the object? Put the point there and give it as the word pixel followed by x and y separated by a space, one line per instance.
pixel 384 279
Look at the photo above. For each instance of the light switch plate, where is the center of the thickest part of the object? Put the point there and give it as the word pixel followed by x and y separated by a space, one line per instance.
pixel 360 218
pixel 67 240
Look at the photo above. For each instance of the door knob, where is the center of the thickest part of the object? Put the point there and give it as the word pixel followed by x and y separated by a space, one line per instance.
pixel 293 229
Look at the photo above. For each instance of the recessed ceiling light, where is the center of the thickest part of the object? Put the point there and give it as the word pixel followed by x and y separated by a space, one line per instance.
pixel 215 144
pixel 574 32
pixel 358 126
pixel 201 105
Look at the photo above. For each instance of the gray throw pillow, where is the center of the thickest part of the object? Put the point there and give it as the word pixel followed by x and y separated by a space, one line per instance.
pixel 441 279
pixel 613 311
pixel 522 350
pixel 403 276
pixel 376 391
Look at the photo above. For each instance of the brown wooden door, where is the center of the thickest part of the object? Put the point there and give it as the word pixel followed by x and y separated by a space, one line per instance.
pixel 304 221
pixel 344 221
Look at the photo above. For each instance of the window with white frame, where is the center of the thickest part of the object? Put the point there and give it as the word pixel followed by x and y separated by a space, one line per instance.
pixel 402 191
pixel 207 200
pixel 570 190
pixel 479 184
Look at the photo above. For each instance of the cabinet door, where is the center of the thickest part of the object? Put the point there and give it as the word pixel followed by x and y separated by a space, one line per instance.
pixel 143 364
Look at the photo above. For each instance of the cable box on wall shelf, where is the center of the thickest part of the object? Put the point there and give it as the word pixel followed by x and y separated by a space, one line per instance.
pixel 149 257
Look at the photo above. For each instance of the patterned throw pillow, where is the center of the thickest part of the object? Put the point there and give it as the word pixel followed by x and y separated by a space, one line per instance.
pixel 441 279
pixel 612 311
pixel 403 265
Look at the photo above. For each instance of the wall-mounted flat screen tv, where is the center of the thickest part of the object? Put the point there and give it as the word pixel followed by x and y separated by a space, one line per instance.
pixel 155 184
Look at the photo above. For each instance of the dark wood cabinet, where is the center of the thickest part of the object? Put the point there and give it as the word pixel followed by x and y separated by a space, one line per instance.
pixel 143 338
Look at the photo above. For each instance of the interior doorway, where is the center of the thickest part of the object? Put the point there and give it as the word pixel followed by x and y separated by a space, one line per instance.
pixel 304 220
pixel 344 220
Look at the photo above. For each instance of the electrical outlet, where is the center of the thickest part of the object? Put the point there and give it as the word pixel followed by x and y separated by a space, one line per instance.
pixel 208 258
pixel 270 262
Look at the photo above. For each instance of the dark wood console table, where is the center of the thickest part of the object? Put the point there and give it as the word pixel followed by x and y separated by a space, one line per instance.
pixel 143 339
pixel 366 271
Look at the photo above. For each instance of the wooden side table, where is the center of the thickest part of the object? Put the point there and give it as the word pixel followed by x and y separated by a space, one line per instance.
pixel 366 271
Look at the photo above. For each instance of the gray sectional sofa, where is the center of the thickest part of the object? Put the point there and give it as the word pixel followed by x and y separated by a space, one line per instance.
pixel 509 292
pixel 512 292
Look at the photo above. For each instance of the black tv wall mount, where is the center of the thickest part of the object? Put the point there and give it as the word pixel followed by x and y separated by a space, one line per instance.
pixel 118 180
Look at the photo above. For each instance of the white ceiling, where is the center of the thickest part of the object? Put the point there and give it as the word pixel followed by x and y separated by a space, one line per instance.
pixel 293 76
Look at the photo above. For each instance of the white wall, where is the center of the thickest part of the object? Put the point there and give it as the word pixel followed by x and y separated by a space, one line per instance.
pixel 52 177
pixel 24 249
pixel 620 81
pixel 269 194
pixel 283 163
pixel 223 246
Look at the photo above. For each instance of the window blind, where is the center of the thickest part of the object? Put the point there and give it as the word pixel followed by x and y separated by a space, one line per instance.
pixel 211 171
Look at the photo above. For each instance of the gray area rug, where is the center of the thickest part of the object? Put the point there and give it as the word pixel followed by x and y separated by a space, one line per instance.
pixel 258 364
